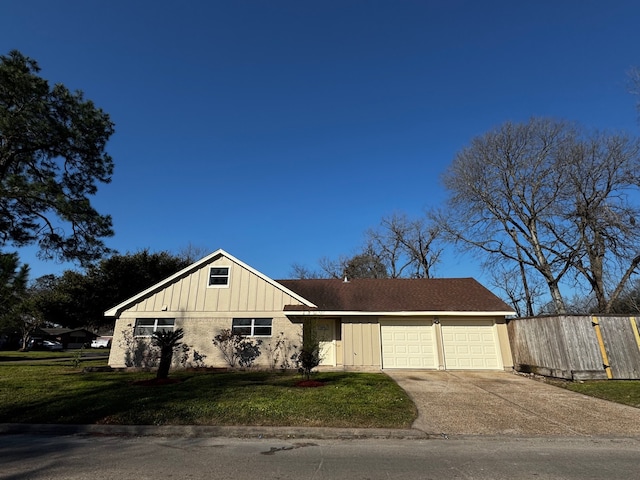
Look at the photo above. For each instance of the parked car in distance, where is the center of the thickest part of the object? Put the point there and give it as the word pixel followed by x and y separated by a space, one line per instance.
pixel 101 342
pixel 51 345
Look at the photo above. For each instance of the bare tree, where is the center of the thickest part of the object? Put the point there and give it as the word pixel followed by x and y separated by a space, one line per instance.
pixel 550 198
pixel 603 175
pixel 503 190
pixel 634 85
pixel 365 264
pixel 521 291
pixel 332 268
pixel 629 300
pixel 191 253
pixel 397 247
pixel 407 247
pixel 301 271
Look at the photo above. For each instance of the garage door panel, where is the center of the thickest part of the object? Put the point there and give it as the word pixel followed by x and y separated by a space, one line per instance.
pixel 408 344
pixel 469 345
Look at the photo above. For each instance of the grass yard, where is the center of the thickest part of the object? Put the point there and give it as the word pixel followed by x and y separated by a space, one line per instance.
pixel 12 356
pixel 620 391
pixel 56 392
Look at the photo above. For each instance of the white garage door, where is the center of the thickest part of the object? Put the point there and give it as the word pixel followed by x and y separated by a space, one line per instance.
pixel 408 344
pixel 470 345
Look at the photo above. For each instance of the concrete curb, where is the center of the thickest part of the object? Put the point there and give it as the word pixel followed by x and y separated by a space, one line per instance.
pixel 212 431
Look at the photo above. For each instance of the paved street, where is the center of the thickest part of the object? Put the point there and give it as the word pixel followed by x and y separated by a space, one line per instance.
pixel 37 457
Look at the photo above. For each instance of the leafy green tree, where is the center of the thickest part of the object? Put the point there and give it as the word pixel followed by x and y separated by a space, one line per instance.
pixel 77 299
pixel 15 308
pixel 13 291
pixel 13 284
pixel 65 300
pixel 52 156
pixel 366 264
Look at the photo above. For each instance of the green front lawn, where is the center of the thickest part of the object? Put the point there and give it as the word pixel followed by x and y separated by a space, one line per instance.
pixel 12 356
pixel 52 392
pixel 620 391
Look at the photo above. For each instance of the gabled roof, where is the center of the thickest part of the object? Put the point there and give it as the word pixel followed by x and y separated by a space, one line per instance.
pixel 397 295
pixel 62 331
pixel 389 295
pixel 115 311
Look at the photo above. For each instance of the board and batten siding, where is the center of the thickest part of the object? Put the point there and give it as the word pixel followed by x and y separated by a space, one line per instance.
pixel 246 293
pixel 204 311
pixel 361 343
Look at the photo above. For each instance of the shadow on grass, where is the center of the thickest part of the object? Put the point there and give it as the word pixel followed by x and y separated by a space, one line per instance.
pixel 93 398
pixel 208 398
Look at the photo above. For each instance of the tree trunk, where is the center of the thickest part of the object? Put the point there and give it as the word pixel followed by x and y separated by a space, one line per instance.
pixel 166 354
pixel 556 296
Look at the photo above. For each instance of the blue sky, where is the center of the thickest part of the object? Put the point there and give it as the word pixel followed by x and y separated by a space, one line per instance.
pixel 281 130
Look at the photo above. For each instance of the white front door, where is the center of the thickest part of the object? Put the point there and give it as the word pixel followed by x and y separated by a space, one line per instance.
pixel 326 331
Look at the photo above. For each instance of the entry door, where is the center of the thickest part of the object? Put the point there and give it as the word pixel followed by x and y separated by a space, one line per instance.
pixel 326 331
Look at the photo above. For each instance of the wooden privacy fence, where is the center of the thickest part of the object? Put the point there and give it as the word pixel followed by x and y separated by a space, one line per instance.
pixel 577 347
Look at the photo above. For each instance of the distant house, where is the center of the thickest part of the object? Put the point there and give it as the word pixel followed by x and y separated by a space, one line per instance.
pixel 68 337
pixel 444 323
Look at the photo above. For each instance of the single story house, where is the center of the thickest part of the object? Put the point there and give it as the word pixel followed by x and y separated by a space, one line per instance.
pixel 368 324
pixel 68 337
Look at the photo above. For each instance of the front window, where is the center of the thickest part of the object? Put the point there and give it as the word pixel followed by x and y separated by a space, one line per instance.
pixel 219 277
pixel 146 326
pixel 252 327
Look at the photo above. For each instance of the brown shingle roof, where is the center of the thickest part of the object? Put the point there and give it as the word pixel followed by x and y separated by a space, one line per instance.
pixel 397 294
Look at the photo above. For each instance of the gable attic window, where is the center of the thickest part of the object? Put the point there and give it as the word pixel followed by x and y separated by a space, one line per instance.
pixel 218 277
pixel 252 327
pixel 146 326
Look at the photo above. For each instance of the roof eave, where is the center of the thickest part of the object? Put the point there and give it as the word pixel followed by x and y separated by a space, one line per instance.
pixel 425 313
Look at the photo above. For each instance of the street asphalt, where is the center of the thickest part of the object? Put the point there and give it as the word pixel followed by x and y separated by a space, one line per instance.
pixel 450 404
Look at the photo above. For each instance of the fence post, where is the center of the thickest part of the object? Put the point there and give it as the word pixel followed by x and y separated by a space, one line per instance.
pixel 634 327
pixel 605 358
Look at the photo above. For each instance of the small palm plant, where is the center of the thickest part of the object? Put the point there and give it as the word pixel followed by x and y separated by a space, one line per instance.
pixel 167 341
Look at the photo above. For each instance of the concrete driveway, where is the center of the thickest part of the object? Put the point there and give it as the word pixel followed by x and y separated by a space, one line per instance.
pixel 500 403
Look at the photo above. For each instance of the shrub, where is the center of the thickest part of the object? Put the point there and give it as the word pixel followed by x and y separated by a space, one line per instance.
pixel 278 352
pixel 306 360
pixel 236 349
pixel 138 352
pixel 308 357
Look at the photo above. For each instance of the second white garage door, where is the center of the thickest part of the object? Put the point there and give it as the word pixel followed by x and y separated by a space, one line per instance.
pixel 470 346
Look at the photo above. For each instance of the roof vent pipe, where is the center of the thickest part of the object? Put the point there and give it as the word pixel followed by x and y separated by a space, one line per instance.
pixel 346 280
